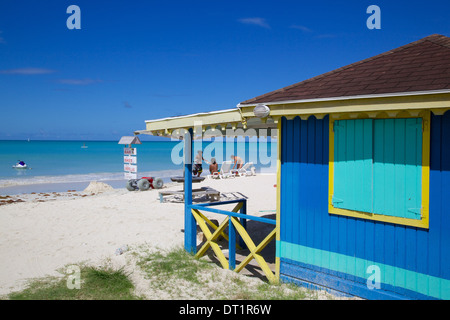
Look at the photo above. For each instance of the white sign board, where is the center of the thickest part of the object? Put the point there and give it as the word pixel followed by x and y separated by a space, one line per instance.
pixel 130 168
pixel 130 160
pixel 129 175
pixel 129 151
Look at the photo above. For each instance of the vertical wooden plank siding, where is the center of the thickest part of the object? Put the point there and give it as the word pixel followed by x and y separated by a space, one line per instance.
pixel 445 194
pixel 334 251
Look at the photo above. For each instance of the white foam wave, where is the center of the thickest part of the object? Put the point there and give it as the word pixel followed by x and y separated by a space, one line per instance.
pixel 103 176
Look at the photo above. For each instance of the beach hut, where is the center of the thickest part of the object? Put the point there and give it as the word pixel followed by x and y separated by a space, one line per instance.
pixel 363 174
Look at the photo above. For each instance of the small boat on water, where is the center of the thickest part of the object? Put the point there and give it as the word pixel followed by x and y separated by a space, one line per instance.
pixel 20 165
pixel 84 146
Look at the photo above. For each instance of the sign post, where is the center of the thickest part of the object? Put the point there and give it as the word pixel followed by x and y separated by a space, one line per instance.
pixel 130 157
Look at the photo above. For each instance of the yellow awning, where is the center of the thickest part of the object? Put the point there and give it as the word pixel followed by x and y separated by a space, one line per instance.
pixel 215 120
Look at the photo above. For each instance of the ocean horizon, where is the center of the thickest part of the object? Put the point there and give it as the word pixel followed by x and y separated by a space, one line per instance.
pixel 61 165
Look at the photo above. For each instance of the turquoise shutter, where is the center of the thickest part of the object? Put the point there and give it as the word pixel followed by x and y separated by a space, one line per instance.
pixel 397 167
pixel 353 164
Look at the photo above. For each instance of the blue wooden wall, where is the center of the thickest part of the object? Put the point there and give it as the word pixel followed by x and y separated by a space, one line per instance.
pixel 339 252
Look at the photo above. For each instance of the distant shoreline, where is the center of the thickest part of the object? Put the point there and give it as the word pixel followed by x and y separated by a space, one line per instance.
pixel 55 187
pixel 64 186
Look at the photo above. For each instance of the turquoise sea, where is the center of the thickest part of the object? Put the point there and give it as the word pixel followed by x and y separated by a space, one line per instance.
pixel 62 165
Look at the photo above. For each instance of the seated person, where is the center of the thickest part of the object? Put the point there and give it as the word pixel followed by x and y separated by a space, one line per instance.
pixel 214 166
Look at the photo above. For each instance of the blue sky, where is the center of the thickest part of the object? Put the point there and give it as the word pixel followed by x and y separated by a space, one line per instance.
pixel 137 60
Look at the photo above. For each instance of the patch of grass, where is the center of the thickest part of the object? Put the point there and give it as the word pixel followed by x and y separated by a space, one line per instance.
pixel 173 274
pixel 177 263
pixel 96 284
pixel 176 271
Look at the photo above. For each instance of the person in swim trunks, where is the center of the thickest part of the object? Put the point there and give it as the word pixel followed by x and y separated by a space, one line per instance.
pixel 198 169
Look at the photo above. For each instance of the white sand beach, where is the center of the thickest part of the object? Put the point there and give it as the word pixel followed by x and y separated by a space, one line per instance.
pixel 40 233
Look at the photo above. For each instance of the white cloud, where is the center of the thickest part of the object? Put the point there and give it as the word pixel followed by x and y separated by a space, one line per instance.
pixel 79 82
pixel 300 27
pixel 260 22
pixel 27 71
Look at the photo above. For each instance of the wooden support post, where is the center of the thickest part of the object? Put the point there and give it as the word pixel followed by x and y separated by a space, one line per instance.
pixel 231 246
pixel 190 225
pixel 244 224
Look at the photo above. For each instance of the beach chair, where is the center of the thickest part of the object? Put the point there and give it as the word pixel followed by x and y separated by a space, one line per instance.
pixel 225 170
pixel 246 170
pixel 215 175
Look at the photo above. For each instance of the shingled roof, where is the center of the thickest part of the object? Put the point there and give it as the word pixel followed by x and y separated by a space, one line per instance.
pixel 422 65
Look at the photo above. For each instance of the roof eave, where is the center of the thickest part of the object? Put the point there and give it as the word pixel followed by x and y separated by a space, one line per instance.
pixel 340 98
pixel 242 117
pixel 437 101
pixel 165 126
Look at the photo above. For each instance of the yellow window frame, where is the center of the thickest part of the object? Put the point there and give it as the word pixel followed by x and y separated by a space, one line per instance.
pixel 424 221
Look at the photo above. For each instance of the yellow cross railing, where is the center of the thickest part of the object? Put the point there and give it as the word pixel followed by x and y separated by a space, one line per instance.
pixel 238 218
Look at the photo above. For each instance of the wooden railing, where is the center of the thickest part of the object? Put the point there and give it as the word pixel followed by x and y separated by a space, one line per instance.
pixel 236 222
